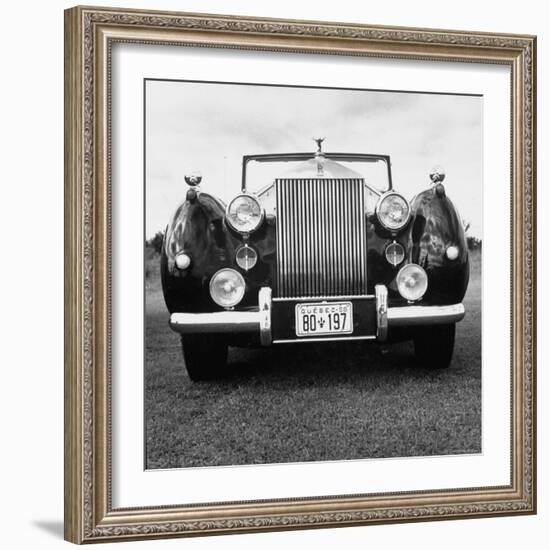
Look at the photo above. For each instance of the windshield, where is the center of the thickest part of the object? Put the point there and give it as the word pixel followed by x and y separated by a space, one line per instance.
pixel 260 174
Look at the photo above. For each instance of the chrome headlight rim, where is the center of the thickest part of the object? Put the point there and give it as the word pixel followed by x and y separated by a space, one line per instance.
pixel 246 248
pixel 230 222
pixel 425 281
pixel 240 278
pixel 394 245
pixel 382 198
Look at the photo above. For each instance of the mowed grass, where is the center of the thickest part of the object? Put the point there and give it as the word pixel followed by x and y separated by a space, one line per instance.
pixel 296 403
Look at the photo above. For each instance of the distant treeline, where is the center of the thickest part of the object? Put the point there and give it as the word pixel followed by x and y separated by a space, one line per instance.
pixel 156 241
pixel 473 243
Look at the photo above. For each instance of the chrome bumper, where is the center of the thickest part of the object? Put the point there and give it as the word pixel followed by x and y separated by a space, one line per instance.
pixel 409 316
pixel 424 315
pixel 217 322
pixel 259 322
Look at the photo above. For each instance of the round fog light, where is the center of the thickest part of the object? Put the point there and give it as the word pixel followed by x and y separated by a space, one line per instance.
pixel 452 252
pixel 227 287
pixel 246 257
pixel 395 253
pixel 412 282
pixel 183 261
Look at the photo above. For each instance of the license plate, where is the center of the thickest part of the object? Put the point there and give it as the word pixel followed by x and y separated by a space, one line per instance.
pixel 324 318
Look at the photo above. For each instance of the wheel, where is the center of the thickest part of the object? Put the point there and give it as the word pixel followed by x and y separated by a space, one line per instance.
pixel 205 356
pixel 434 345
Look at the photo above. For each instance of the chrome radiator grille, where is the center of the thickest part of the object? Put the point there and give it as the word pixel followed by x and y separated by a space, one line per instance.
pixel 321 242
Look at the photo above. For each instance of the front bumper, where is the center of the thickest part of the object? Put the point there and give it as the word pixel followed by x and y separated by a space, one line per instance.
pixel 219 322
pixel 259 322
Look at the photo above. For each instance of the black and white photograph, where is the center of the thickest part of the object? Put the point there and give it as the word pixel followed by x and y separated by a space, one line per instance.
pixel 313 275
pixel 300 276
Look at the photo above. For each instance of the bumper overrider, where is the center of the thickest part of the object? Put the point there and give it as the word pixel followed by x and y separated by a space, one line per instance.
pixel 259 321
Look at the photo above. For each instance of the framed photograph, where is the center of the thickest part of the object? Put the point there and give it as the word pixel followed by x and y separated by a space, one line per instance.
pixel 300 274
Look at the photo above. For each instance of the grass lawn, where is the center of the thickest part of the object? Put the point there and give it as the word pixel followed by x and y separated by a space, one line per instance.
pixel 295 403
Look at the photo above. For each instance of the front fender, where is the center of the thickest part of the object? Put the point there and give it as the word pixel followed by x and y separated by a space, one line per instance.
pixel 196 228
pixel 435 226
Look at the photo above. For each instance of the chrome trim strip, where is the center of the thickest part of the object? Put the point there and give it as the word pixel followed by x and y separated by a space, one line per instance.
pixel 264 301
pixel 215 321
pixel 337 266
pixel 425 315
pixel 381 312
pixel 306 339
pixel 373 190
pixel 317 298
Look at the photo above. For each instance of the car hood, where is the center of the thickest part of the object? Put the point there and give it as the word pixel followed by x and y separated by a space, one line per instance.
pixel 320 167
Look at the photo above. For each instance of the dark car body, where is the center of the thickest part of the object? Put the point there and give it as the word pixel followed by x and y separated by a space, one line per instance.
pixel 326 252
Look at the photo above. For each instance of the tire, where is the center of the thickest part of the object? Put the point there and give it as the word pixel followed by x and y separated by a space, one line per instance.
pixel 434 345
pixel 205 356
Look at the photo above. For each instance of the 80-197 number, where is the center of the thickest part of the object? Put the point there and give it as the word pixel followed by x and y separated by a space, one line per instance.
pixel 324 318
pixel 336 321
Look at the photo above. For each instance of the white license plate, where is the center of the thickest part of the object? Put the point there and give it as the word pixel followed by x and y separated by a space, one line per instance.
pixel 324 318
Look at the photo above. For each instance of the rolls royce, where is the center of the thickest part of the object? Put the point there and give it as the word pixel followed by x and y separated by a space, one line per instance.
pixel 325 249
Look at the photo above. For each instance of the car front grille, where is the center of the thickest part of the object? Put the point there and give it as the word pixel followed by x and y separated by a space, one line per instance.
pixel 321 243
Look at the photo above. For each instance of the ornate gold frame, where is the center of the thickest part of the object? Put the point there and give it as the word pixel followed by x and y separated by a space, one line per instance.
pixel 89 34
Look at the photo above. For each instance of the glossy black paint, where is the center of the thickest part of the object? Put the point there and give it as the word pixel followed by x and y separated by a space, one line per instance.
pixel 198 228
pixel 434 227
pixel 379 270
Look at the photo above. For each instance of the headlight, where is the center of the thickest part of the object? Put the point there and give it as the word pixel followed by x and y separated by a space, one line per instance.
pixel 245 214
pixel 393 211
pixel 412 282
pixel 227 287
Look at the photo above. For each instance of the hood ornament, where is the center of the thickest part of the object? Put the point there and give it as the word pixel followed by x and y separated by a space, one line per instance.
pixel 319 142
pixel 319 157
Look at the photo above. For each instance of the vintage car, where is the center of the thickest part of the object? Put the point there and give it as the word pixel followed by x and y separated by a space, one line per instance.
pixel 320 252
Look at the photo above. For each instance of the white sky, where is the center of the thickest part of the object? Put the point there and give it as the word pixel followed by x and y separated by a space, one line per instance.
pixel 209 127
